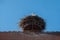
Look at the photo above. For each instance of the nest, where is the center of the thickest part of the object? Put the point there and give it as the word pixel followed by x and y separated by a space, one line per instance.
pixel 32 23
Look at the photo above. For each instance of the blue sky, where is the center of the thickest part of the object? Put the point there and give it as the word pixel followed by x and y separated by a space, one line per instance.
pixel 12 11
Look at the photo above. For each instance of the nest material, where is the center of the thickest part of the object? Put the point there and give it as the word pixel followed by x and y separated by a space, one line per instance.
pixel 32 23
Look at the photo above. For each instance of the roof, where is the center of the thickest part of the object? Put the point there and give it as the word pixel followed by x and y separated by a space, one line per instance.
pixel 29 36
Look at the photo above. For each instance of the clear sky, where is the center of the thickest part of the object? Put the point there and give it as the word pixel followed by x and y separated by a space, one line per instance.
pixel 12 11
